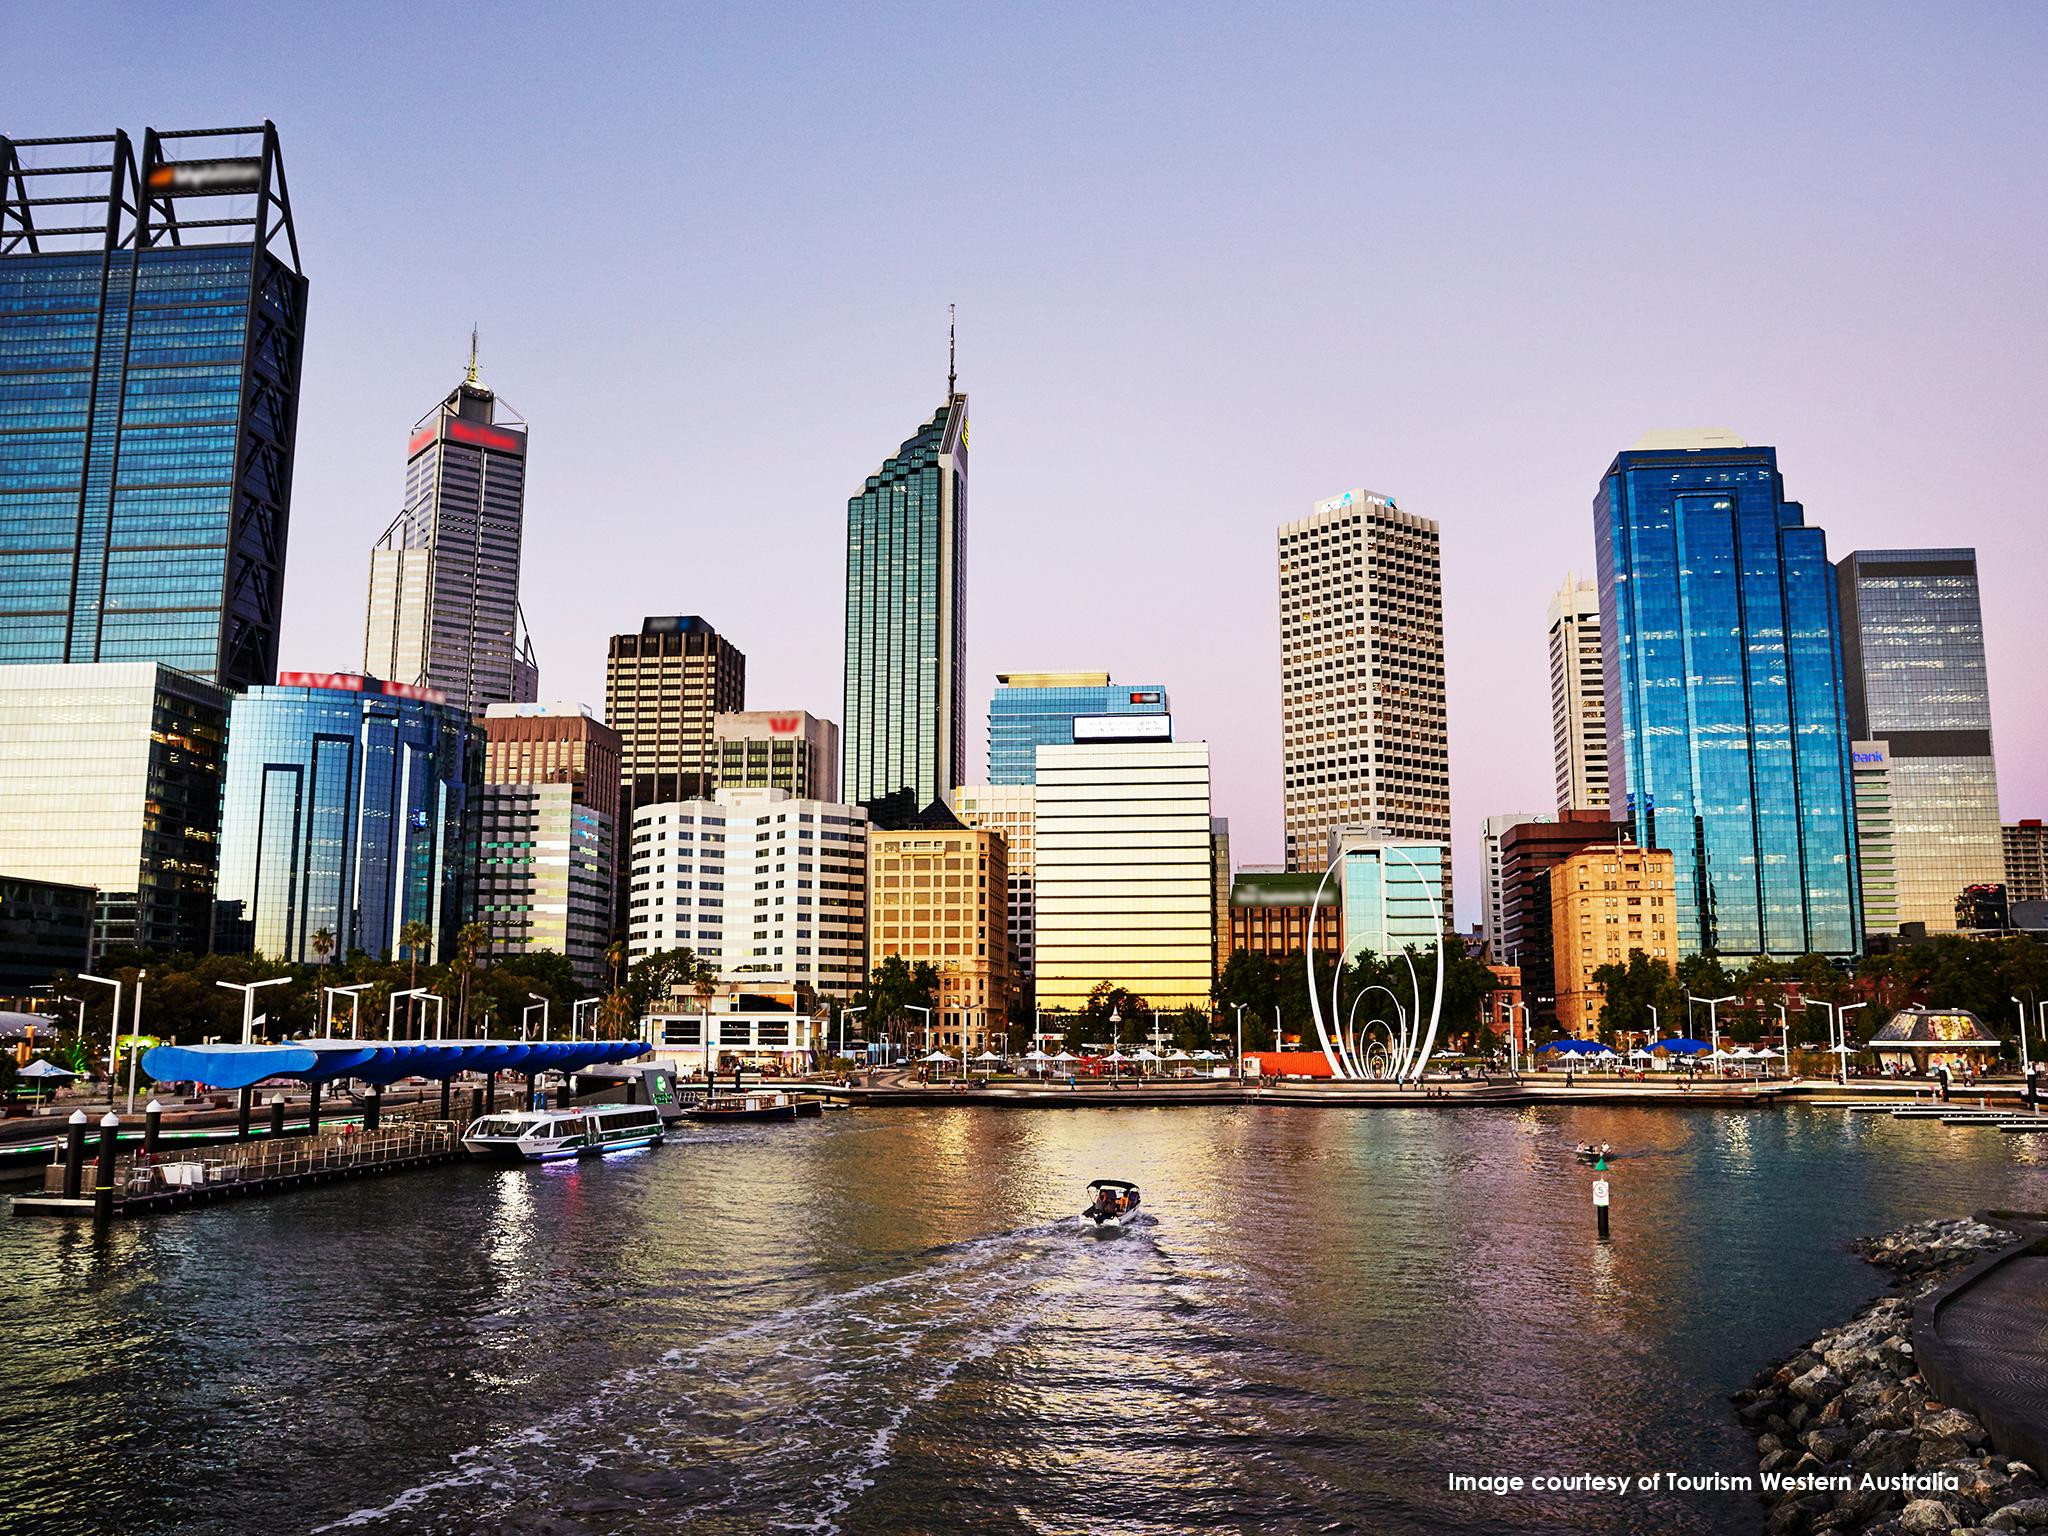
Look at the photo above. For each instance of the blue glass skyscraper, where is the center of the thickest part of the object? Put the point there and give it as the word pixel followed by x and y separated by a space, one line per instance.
pixel 1725 712
pixel 1030 710
pixel 151 318
pixel 350 805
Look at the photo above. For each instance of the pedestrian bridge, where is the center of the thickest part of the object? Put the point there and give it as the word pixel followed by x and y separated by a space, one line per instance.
pixel 322 1061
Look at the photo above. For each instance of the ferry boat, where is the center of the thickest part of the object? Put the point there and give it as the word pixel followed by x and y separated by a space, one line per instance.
pixel 1112 1204
pixel 544 1136
pixel 763 1105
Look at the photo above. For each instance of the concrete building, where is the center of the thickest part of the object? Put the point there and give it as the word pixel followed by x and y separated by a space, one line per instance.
pixel 110 777
pixel 1029 710
pixel 1011 810
pixel 765 887
pixel 1125 873
pixel 2026 860
pixel 1870 779
pixel 1529 852
pixel 1606 902
pixel 787 749
pixel 937 893
pixel 545 869
pixel 1578 701
pixel 45 927
pixel 444 578
pixel 1915 679
pixel 664 689
pixel 1268 912
pixel 1391 891
pixel 1362 702
pixel 1493 923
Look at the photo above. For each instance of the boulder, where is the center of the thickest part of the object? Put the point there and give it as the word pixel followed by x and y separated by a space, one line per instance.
pixel 1927 1515
pixel 1830 1442
pixel 1951 1424
pixel 2026 1515
pixel 1815 1386
pixel 1939 1453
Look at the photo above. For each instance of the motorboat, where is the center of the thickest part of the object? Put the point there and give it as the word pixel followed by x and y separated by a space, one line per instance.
pixel 546 1136
pixel 1112 1204
pixel 724 1108
pixel 1589 1153
pixel 810 1109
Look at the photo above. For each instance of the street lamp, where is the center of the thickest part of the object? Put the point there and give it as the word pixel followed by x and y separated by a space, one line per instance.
pixel 919 1008
pixel 248 991
pixel 391 1015
pixel 353 994
pixel 844 1013
pixel 576 1016
pixel 1785 1037
pixel 1713 1014
pixel 2025 1061
pixel 135 1039
pixel 1240 1040
pixel 1842 1019
pixel 543 1015
pixel 113 1032
pixel 1116 1018
pixel 440 1014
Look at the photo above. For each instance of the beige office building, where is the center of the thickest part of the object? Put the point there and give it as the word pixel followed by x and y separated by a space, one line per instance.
pixel 1578 700
pixel 1607 901
pixel 1012 810
pixel 1125 877
pixel 937 894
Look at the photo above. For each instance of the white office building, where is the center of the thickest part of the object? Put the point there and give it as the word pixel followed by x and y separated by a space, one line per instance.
pixel 1494 925
pixel 1012 810
pixel 1578 701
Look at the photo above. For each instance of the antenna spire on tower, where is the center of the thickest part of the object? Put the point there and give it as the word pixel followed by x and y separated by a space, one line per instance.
pixel 472 355
pixel 952 355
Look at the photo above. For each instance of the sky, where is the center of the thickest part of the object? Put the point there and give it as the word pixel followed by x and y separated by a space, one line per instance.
pixel 1210 266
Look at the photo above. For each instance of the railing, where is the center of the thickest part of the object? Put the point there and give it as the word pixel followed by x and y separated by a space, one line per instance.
pixel 140 1175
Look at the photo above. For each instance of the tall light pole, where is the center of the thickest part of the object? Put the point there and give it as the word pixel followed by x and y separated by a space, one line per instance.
pixel 440 1014
pixel 919 1008
pixel 2025 1060
pixel 113 1033
pixel 843 1014
pixel 135 1038
pixel 543 1014
pixel 354 996
pixel 1785 1037
pixel 1713 1014
pixel 1116 1018
pixel 1240 1040
pixel 248 991
pixel 1842 1023
pixel 576 1016
pixel 391 1014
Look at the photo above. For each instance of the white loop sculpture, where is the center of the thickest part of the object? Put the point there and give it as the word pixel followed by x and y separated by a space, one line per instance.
pixel 1412 1055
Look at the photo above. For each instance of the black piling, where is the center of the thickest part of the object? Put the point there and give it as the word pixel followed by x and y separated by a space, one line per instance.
pixel 530 1102
pixel 373 1108
pixel 476 1102
pixel 490 1093
pixel 447 1085
pixel 276 1116
pixel 74 1155
pixel 152 1128
pixel 312 1109
pixel 244 1102
pixel 103 1174
pixel 1600 1199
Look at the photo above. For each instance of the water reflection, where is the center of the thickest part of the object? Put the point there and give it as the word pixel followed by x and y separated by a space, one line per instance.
pixel 889 1320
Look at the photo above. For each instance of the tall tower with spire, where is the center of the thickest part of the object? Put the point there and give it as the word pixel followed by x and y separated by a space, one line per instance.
pixel 903 740
pixel 444 579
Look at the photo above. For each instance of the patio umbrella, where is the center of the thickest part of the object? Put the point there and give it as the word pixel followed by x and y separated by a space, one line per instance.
pixel 990 1056
pixel 1064 1056
pixel 1770 1050
pixel 1035 1054
pixel 1116 1056
pixel 935 1056
pixel 1178 1055
pixel 1144 1054
pixel 41 1073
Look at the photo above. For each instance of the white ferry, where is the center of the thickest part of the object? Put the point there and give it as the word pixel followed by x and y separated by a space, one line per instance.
pixel 542 1136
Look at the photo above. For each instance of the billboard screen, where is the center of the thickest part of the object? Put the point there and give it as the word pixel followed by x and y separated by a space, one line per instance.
pixel 1123 727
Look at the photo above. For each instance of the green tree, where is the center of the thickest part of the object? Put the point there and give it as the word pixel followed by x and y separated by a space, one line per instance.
pixel 470 943
pixel 323 944
pixel 1632 989
pixel 412 938
pixel 1252 979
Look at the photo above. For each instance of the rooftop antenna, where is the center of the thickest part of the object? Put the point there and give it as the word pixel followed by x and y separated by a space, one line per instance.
pixel 472 356
pixel 952 352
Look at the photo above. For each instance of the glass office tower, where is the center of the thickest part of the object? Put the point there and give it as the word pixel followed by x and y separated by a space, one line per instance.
pixel 1727 731
pixel 151 317
pixel 903 731
pixel 1913 663
pixel 350 806
pixel 1030 710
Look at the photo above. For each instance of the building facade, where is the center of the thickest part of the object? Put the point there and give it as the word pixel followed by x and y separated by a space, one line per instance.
pixel 444 578
pixel 786 749
pixel 2026 859
pixel 349 811
pixel 1362 704
pixel 1391 890
pixel 1606 902
pixel 937 895
pixel 1578 696
pixel 110 777
pixel 765 887
pixel 1915 676
pixel 1269 913
pixel 1012 811
pixel 1493 924
pixel 905 713
pixel 664 689
pixel 1870 780
pixel 1727 726
pixel 1029 710
pixel 549 832
pixel 45 927
pixel 1125 873
pixel 150 337
pixel 1529 853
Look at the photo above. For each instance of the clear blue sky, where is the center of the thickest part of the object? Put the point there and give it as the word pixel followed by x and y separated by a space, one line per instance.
pixel 1210 266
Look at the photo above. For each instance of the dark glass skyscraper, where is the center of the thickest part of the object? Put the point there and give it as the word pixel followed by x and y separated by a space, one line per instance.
pixel 1030 710
pixel 1726 725
pixel 151 317
pixel 904 727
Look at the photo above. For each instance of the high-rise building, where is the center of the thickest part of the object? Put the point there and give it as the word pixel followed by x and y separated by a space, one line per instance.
pixel 1269 910
pixel 350 811
pixel 1578 697
pixel 905 714
pixel 545 865
pixel 1362 721
pixel 765 887
pixel 1125 872
pixel 1913 666
pixel 936 895
pixel 1029 710
pixel 152 311
pixel 2026 860
pixel 1723 667
pixel 45 927
pixel 110 777
pixel 1390 890
pixel 786 749
pixel 1606 902
pixel 1870 780
pixel 1012 811
pixel 664 689
pixel 1529 852
pixel 1219 889
pixel 1494 922
pixel 444 578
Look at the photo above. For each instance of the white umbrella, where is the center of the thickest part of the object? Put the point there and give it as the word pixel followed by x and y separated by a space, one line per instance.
pixel 1744 1052
pixel 1064 1056
pixel 990 1056
pixel 1638 1054
pixel 1770 1050
pixel 1116 1056
pixel 1177 1054
pixel 1034 1054
pixel 40 1068
pixel 935 1056
pixel 1209 1056
pixel 1144 1055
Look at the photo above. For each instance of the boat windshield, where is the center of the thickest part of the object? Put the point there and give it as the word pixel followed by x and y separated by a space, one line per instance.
pixel 513 1129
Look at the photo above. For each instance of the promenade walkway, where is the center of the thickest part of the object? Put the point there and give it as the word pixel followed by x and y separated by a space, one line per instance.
pixel 1982 1342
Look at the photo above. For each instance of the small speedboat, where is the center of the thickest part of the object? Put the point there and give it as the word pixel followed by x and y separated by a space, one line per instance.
pixel 1112 1205
pixel 744 1106
pixel 1589 1153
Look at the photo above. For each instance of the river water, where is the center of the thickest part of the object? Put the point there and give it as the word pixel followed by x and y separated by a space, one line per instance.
pixel 887 1321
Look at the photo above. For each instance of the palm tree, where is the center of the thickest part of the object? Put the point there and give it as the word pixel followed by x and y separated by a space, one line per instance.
pixel 469 944
pixel 412 938
pixel 323 944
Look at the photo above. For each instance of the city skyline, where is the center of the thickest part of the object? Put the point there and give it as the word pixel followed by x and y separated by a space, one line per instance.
pixel 1055 350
